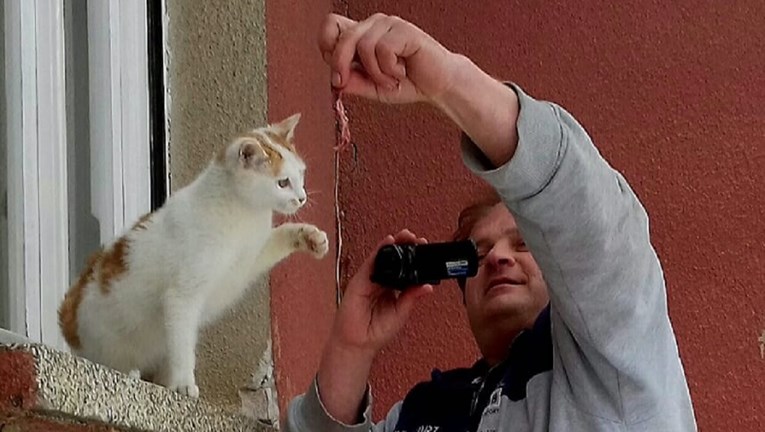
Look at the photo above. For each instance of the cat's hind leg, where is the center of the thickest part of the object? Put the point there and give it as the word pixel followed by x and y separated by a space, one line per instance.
pixel 181 325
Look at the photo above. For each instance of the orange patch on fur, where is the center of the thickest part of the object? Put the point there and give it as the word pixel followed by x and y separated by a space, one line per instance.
pixel 278 139
pixel 67 313
pixel 142 223
pixel 110 265
pixel 275 158
pixel 113 264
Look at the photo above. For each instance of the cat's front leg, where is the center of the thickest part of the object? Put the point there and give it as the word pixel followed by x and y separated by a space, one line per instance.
pixel 309 238
pixel 292 237
pixel 182 327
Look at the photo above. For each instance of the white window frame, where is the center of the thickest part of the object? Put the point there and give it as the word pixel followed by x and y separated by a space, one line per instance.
pixel 37 169
pixel 119 107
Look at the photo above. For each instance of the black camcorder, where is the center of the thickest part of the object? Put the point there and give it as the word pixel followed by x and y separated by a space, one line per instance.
pixel 399 266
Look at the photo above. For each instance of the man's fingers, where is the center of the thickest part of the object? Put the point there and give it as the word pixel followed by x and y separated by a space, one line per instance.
pixel 389 239
pixel 405 236
pixel 371 58
pixel 367 51
pixel 359 84
pixel 345 49
pixel 329 32
pixel 390 46
pixel 406 301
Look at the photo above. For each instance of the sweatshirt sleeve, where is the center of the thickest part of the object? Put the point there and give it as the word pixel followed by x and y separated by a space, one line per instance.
pixel 306 413
pixel 615 354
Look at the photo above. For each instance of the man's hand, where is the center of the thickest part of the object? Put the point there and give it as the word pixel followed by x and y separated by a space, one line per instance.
pixel 385 58
pixel 369 317
pixel 390 60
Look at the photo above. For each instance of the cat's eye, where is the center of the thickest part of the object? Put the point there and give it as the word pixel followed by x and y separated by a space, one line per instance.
pixel 283 183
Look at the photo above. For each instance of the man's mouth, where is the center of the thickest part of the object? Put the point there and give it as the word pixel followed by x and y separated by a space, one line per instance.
pixel 505 280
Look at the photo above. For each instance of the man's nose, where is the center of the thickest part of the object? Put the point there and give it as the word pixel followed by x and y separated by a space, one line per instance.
pixel 501 255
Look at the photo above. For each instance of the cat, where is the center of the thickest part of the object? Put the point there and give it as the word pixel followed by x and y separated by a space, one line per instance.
pixel 139 303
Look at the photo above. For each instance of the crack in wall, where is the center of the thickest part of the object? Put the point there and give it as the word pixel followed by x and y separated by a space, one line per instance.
pixel 259 396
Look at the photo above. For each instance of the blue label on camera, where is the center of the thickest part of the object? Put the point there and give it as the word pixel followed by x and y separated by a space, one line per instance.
pixel 457 268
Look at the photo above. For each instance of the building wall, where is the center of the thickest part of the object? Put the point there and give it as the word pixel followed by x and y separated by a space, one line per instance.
pixel 4 309
pixel 218 88
pixel 303 290
pixel 671 93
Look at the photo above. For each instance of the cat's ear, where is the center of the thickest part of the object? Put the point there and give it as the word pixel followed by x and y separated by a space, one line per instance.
pixel 250 154
pixel 286 127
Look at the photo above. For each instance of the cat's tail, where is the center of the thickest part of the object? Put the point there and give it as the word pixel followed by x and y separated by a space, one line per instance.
pixel 68 312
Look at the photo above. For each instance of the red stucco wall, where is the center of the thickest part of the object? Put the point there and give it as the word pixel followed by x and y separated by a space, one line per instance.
pixel 672 92
pixel 18 387
pixel 302 289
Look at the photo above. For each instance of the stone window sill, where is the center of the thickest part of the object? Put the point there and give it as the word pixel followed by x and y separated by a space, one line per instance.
pixel 45 389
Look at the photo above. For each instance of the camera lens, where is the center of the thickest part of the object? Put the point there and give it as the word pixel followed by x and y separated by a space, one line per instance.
pixel 399 266
pixel 393 265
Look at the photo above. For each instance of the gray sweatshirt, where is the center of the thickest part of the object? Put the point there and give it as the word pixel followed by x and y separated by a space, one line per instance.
pixel 614 359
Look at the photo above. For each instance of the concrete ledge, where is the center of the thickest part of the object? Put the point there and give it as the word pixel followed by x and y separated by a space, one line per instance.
pixel 7 338
pixel 42 381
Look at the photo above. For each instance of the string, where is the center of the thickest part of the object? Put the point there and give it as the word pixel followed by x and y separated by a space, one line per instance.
pixel 343 140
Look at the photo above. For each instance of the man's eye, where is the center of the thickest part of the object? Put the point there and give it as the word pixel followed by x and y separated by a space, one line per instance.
pixel 521 246
pixel 283 183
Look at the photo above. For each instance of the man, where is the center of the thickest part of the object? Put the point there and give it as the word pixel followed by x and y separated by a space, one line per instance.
pixel 569 305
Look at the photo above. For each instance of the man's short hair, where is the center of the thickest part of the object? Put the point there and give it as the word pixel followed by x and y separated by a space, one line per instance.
pixel 467 220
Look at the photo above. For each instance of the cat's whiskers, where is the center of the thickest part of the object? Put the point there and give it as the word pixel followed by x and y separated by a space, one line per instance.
pixel 294 217
pixel 309 201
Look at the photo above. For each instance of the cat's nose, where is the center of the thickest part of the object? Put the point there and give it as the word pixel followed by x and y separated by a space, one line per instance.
pixel 301 200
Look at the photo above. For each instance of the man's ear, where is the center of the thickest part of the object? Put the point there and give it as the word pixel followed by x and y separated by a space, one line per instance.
pixel 286 127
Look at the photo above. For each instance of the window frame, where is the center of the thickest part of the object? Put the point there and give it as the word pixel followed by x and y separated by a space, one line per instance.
pixel 127 105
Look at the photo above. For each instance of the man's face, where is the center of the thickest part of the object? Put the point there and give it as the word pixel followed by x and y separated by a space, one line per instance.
pixel 509 288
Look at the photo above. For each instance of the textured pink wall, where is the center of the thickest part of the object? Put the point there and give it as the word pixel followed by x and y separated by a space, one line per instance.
pixel 673 94
pixel 302 289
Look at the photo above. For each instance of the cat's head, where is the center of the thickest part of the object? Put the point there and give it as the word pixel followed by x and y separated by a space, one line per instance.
pixel 267 170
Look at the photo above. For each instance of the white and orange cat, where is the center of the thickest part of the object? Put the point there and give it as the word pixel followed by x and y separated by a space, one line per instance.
pixel 139 304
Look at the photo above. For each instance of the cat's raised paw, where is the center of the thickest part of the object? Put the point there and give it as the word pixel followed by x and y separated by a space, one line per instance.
pixel 314 241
